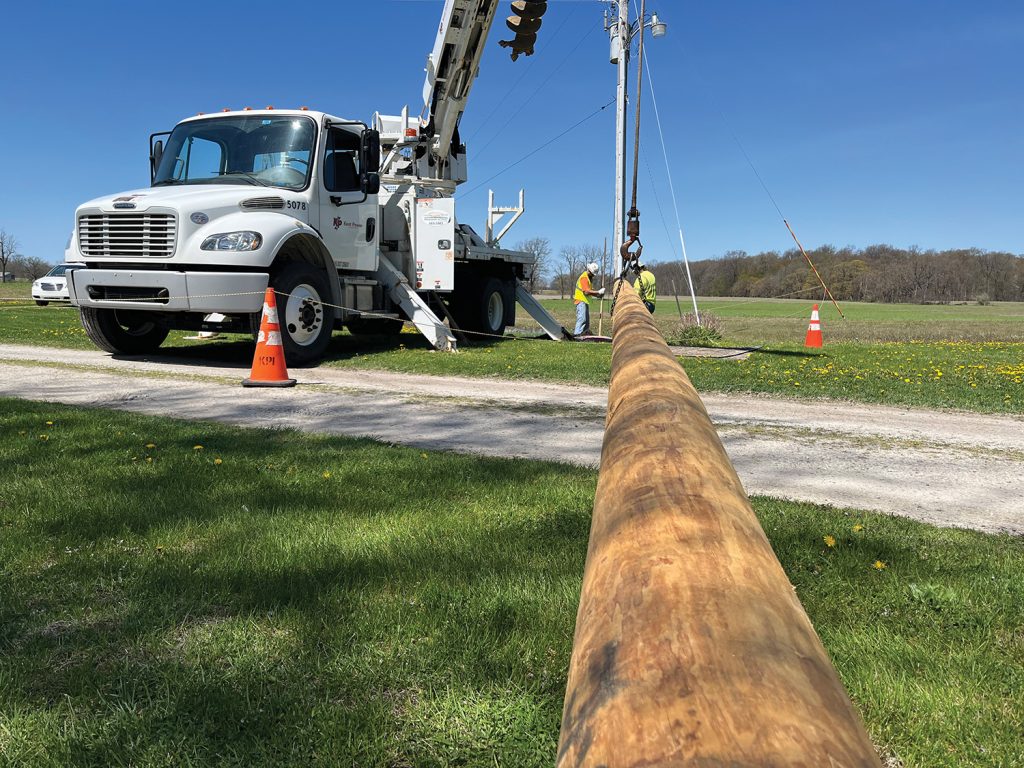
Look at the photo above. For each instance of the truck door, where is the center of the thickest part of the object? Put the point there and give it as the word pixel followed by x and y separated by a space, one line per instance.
pixel 348 218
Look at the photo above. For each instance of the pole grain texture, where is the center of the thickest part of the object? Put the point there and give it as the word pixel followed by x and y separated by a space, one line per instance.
pixel 691 647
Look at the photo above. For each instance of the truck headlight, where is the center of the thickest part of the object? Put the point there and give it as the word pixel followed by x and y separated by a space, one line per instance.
pixel 233 241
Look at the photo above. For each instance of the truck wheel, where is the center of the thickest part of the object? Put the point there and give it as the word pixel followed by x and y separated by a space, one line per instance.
pixel 306 325
pixel 379 326
pixel 493 306
pixel 42 303
pixel 122 331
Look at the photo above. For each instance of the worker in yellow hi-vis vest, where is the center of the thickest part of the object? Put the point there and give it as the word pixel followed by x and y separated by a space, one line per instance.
pixel 581 298
pixel 645 286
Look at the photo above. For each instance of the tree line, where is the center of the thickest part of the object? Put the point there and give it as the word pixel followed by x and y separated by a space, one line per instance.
pixel 880 273
pixel 15 264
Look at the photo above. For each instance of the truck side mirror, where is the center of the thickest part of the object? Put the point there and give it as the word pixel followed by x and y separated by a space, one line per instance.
pixel 154 159
pixel 369 183
pixel 369 151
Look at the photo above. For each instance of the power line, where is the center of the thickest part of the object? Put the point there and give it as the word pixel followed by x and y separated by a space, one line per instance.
pixel 538 149
pixel 515 85
pixel 538 89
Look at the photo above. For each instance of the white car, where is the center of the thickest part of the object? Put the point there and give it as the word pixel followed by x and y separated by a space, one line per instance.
pixel 53 286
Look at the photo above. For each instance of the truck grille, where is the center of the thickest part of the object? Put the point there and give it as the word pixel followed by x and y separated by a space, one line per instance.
pixel 150 235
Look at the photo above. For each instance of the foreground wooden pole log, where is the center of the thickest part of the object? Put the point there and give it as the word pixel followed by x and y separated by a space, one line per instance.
pixel 691 647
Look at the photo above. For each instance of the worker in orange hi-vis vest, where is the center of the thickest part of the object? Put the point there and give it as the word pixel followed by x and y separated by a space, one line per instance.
pixel 581 298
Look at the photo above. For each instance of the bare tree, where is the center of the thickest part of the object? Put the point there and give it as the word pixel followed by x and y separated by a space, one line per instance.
pixel 540 249
pixel 571 262
pixel 8 245
pixel 30 267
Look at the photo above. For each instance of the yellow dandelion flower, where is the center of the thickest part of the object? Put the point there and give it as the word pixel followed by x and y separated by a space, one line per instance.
pixel 150 446
pixel 197 447
pixel 49 423
pixel 149 459
pixel 44 438
pixel 327 475
pixel 878 565
pixel 830 541
pixel 857 528
pixel 423 455
pixel 218 461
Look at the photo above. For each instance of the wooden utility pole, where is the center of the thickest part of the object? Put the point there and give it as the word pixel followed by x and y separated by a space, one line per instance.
pixel 691 648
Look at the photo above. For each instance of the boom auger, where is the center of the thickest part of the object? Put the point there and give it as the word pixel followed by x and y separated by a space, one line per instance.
pixel 352 225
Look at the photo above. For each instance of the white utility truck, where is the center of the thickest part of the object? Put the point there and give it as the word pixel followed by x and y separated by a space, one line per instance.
pixel 352 224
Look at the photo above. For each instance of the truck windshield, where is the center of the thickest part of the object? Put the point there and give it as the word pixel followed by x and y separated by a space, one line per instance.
pixel 258 150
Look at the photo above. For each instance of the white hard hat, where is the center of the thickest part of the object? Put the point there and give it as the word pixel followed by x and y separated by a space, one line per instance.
pixel 592 267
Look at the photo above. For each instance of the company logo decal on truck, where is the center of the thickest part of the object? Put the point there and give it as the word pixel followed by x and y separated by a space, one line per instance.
pixel 437 218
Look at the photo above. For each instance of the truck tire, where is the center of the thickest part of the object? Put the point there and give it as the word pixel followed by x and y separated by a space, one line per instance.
pixel 492 307
pixel 42 303
pixel 122 331
pixel 306 324
pixel 370 326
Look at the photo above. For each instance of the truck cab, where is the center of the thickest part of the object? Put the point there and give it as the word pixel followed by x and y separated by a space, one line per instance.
pixel 238 201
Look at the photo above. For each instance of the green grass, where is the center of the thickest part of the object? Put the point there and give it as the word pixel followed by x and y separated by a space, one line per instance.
pixel 973 376
pixel 324 601
pixel 982 376
pixel 752 322
pixel 18 289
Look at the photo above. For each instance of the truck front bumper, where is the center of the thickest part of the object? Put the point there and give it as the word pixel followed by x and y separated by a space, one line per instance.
pixel 206 292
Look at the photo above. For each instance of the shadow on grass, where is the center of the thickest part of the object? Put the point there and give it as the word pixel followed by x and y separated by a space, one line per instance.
pixel 790 353
pixel 296 633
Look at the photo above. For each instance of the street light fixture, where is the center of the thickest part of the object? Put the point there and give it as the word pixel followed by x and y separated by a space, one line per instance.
pixel 621 31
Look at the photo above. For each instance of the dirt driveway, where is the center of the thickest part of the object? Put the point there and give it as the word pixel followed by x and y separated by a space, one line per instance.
pixel 953 469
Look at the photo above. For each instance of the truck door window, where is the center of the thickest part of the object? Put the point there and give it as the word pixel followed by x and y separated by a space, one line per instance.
pixel 341 164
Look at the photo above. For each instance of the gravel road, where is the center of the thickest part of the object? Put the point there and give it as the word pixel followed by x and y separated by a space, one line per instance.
pixel 954 469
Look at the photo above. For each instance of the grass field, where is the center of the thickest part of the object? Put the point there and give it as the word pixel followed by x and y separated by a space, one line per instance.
pixel 183 594
pixel 752 322
pixel 964 371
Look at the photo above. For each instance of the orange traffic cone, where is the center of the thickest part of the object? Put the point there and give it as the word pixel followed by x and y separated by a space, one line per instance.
pixel 813 338
pixel 268 368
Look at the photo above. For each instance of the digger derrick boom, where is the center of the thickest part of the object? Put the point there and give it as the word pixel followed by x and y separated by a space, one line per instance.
pixel 452 67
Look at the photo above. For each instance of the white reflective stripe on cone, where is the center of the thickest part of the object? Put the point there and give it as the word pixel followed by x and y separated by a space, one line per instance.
pixel 270 314
pixel 273 339
pixel 261 338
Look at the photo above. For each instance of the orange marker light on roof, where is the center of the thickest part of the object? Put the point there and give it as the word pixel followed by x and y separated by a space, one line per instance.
pixel 304 109
pixel 247 109
pixel 226 109
pixel 269 106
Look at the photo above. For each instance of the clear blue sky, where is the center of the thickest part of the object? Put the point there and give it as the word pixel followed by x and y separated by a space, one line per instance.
pixel 878 121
